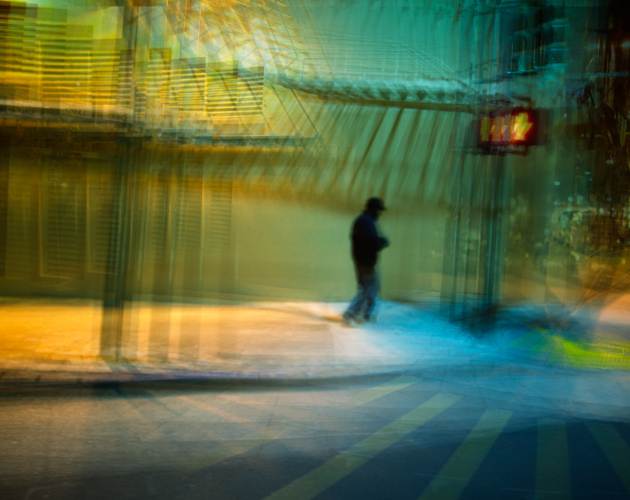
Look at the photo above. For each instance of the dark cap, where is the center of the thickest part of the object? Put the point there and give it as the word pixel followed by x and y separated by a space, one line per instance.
pixel 375 202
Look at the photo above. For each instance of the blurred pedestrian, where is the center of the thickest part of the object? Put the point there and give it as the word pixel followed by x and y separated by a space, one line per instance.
pixel 367 242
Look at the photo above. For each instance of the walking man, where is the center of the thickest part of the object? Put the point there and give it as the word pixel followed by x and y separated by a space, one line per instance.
pixel 366 244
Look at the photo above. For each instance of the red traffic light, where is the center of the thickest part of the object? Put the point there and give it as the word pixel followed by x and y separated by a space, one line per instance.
pixel 513 127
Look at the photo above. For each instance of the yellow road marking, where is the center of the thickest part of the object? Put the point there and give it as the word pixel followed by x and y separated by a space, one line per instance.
pixel 553 479
pixel 614 447
pixel 457 472
pixel 383 390
pixel 226 450
pixel 327 474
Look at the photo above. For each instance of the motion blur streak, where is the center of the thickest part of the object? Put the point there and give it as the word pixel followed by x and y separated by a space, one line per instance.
pixel 159 157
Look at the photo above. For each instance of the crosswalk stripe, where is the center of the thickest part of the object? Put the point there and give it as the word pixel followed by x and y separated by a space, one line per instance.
pixel 553 478
pixel 226 450
pixel 327 474
pixel 383 389
pixel 614 447
pixel 459 469
pixel 254 439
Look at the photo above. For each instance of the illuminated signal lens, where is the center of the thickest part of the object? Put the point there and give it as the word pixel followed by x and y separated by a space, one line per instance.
pixel 521 127
pixel 497 129
pixel 485 128
pixel 514 127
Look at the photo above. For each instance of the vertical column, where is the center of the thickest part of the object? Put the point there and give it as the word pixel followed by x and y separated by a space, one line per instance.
pixel 117 285
pixel 115 289
pixel 4 203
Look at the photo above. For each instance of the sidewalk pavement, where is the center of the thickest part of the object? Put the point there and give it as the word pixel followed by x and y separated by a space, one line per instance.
pixel 47 342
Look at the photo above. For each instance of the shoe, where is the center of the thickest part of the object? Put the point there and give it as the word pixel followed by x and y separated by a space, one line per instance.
pixel 347 321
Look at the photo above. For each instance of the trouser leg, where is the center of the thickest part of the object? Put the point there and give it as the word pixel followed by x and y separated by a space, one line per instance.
pixel 371 284
pixel 367 289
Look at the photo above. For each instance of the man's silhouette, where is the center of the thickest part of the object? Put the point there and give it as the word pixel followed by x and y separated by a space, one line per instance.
pixel 366 244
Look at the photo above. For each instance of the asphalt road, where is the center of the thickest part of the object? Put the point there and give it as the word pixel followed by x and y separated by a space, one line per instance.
pixel 475 432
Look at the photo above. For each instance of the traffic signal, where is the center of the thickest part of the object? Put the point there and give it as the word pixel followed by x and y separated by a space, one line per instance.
pixel 533 37
pixel 550 29
pixel 508 128
pixel 515 40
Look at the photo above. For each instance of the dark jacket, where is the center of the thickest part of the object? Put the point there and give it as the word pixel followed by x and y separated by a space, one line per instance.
pixel 366 242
